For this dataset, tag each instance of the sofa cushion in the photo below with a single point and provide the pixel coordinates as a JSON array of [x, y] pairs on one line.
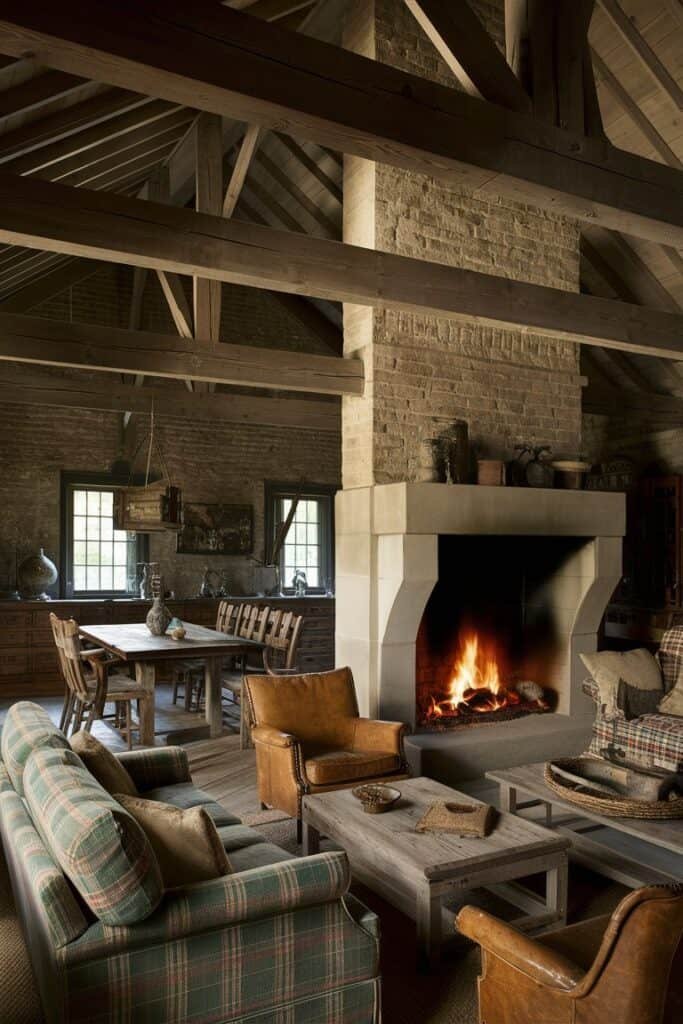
[[101, 763], [258, 856], [186, 843], [236, 837], [99, 845], [654, 742], [26, 727], [334, 766], [186, 794], [638, 668]]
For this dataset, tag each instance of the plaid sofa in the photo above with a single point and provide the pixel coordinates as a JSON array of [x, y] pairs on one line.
[[652, 741], [278, 941]]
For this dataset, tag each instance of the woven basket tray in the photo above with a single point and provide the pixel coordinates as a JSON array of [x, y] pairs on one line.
[[611, 806]]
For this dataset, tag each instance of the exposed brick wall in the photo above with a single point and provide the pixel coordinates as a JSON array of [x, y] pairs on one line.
[[425, 371], [211, 461]]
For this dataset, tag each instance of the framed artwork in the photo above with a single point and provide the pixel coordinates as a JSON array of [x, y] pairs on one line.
[[216, 530]]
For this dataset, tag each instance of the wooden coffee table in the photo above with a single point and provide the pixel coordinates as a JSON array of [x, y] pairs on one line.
[[633, 851], [415, 871]]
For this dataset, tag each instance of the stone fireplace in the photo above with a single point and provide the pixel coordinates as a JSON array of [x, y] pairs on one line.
[[530, 570], [512, 387]]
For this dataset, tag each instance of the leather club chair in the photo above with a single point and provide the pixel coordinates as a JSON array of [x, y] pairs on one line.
[[609, 970], [309, 738]]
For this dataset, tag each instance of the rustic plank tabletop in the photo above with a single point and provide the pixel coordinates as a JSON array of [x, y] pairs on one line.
[[132, 641]]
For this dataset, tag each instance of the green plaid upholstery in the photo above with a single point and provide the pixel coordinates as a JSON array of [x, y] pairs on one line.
[[99, 846], [273, 960], [56, 902], [26, 727], [353, 1004], [232, 899], [156, 766]]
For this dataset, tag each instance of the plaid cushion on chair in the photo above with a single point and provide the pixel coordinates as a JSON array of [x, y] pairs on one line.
[[670, 656], [26, 727], [99, 846], [653, 741]]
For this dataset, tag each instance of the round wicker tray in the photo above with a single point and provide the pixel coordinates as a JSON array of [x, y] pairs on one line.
[[611, 806]]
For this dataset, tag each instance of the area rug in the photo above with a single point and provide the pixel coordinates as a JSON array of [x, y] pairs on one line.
[[19, 1002]]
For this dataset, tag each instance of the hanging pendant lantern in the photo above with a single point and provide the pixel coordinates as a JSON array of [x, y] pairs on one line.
[[152, 508]]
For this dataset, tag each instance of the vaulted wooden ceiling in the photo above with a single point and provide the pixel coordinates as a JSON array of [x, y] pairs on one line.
[[59, 127]]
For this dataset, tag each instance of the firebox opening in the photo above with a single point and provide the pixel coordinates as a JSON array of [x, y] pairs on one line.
[[491, 638]]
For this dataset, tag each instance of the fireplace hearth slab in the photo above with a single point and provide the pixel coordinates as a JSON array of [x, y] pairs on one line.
[[468, 753]]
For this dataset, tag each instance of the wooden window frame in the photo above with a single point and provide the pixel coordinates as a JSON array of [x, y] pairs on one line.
[[276, 491], [70, 482]]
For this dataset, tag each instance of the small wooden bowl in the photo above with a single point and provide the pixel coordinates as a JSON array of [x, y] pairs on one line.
[[376, 799]]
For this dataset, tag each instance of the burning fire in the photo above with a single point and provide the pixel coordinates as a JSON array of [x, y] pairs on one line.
[[475, 685]]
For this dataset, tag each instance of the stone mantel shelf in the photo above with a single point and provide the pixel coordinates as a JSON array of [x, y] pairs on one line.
[[433, 508]]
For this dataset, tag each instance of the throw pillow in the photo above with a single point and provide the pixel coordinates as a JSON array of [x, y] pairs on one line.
[[101, 763], [634, 702], [186, 843], [672, 703], [638, 668], [97, 843]]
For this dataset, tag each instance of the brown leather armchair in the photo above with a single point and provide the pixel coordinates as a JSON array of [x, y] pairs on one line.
[[609, 970], [309, 738]]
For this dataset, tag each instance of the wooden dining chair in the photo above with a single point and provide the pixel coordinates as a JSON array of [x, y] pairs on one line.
[[88, 693], [189, 673], [280, 635]]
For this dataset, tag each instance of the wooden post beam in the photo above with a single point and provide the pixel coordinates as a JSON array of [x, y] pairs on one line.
[[80, 346], [99, 225], [202, 54], [34, 388], [469, 51]]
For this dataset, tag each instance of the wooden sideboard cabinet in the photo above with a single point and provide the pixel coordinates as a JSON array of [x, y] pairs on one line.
[[28, 660]]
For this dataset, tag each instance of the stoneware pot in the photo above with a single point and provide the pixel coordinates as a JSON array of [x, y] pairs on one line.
[[34, 574], [158, 617]]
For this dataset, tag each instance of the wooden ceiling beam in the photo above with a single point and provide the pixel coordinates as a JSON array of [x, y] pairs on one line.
[[641, 121], [274, 10], [114, 145], [37, 91], [208, 199], [53, 127], [33, 388], [100, 225], [457, 34], [240, 169], [49, 285], [300, 154], [86, 346], [645, 55], [318, 216], [231, 64]]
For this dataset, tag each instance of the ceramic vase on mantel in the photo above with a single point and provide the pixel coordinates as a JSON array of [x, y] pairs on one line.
[[158, 617]]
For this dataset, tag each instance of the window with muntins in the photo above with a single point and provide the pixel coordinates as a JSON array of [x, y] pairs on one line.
[[100, 560], [308, 546]]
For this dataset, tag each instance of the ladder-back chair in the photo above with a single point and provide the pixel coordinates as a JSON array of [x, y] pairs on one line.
[[87, 694]]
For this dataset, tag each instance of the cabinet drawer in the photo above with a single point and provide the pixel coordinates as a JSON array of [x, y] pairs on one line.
[[41, 638], [14, 636], [44, 662], [14, 661], [11, 619]]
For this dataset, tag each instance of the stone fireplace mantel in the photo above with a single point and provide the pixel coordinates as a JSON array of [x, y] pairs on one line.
[[387, 565]]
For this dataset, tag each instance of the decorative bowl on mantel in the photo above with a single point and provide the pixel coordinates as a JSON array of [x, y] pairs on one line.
[[376, 799]]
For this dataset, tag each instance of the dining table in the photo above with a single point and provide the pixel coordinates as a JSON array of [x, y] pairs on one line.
[[133, 643]]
